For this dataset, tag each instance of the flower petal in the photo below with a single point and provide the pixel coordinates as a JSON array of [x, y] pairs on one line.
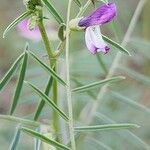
[[94, 40], [88, 41], [100, 16], [25, 32]]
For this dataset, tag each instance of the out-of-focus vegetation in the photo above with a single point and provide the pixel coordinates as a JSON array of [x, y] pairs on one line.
[[118, 104]]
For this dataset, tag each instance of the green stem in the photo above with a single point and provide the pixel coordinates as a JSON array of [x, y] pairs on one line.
[[52, 60], [55, 99], [45, 39], [68, 87]]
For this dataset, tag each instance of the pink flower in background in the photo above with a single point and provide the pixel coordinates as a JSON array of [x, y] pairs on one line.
[[34, 34], [93, 37]]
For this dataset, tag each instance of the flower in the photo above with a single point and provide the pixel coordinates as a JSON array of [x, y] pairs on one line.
[[34, 34], [24, 30], [93, 37]]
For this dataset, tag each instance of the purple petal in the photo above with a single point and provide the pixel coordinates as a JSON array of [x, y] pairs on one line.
[[100, 16], [25, 32], [94, 40]]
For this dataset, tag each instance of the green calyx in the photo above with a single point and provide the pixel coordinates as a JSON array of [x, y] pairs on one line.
[[73, 25], [32, 4], [35, 18]]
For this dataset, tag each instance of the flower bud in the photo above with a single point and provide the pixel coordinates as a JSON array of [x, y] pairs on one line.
[[33, 22], [31, 4]]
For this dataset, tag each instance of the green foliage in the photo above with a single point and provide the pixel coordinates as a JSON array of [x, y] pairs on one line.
[[42, 102], [10, 72], [19, 83], [96, 84], [118, 46], [48, 101], [121, 102], [48, 69], [106, 127], [16, 21], [44, 138], [53, 11], [18, 120]]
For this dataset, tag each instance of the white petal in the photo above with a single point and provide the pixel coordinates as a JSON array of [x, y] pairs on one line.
[[97, 39], [88, 40]]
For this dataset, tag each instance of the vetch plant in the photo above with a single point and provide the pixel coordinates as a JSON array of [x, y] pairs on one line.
[[31, 25]]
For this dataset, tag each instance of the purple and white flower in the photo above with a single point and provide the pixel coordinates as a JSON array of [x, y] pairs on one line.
[[93, 37]]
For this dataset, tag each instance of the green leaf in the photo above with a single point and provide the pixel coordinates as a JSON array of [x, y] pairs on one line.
[[99, 83], [48, 101], [10, 72], [20, 120], [53, 11], [130, 102], [90, 93], [44, 138], [126, 134], [42, 102], [61, 32], [78, 2], [19, 83], [16, 21], [15, 140], [106, 127], [48, 69], [118, 46]]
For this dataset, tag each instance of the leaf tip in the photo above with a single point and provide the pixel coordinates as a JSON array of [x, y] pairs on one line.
[[129, 53], [137, 126], [26, 82], [3, 35]]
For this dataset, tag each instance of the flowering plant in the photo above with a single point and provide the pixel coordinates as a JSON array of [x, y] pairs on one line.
[[34, 25]]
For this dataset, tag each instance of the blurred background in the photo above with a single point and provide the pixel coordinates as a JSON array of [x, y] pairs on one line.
[[117, 104]]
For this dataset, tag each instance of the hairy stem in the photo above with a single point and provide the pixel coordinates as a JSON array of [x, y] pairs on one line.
[[52, 61], [55, 99], [69, 100], [45, 39]]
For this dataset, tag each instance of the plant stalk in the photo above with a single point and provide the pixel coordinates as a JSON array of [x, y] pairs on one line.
[[45, 39], [52, 61], [68, 87]]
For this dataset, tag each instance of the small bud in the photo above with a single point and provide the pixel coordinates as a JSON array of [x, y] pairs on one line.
[[31, 4], [33, 22], [73, 24]]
